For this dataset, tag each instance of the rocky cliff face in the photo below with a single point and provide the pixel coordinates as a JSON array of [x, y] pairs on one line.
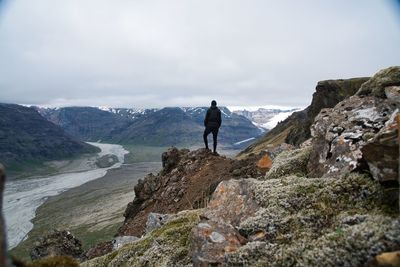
[[296, 128], [25, 137]]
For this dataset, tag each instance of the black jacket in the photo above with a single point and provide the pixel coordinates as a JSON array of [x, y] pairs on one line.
[[213, 117]]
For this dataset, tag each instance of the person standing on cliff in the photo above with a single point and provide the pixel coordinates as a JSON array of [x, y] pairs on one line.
[[212, 122]]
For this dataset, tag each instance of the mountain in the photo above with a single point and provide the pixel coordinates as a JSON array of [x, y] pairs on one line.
[[265, 118], [157, 127], [296, 128], [25, 137], [87, 123]]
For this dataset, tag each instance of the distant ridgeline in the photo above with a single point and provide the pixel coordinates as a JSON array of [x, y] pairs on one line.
[[154, 127], [27, 137]]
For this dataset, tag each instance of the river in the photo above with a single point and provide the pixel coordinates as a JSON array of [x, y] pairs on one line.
[[23, 197]]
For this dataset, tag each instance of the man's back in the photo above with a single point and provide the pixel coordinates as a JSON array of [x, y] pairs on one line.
[[213, 117]]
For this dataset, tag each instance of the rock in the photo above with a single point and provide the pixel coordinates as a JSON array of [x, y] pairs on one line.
[[53, 261], [57, 243], [171, 158], [98, 250], [388, 259], [211, 241], [296, 128], [306, 218], [166, 246], [382, 152], [107, 161], [265, 163], [231, 202], [3, 243], [393, 93], [119, 241], [339, 134], [292, 162], [380, 81], [156, 220]]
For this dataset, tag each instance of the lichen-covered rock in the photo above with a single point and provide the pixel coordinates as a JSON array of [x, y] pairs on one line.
[[97, 250], [297, 221], [382, 152], [57, 243], [216, 234], [211, 241], [292, 162], [165, 246], [377, 84], [340, 133]]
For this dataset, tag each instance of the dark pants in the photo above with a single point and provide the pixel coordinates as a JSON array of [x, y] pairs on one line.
[[214, 131]]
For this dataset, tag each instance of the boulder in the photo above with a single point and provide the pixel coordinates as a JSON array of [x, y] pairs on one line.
[[211, 241], [292, 162], [216, 234], [107, 161], [387, 259], [57, 243], [380, 81], [339, 134]]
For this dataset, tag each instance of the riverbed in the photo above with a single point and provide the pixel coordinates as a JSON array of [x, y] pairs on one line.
[[23, 197]]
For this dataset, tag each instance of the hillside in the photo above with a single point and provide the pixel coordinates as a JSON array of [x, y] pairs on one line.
[[26, 137], [296, 128]]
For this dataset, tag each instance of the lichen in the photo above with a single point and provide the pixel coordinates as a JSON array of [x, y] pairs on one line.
[[55, 261], [309, 220], [292, 162], [165, 246]]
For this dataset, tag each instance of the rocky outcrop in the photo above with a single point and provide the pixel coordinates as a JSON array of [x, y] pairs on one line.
[[340, 133], [57, 243], [383, 83], [250, 222], [296, 128], [186, 182], [107, 161], [165, 246]]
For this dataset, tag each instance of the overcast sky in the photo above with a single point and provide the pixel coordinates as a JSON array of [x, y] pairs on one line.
[[148, 53]]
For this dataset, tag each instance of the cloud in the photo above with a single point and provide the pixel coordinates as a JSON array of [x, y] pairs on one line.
[[148, 53]]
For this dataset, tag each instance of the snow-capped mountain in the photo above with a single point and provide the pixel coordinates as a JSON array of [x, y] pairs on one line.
[[264, 118]]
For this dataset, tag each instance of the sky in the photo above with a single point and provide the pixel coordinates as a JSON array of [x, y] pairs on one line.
[[157, 53]]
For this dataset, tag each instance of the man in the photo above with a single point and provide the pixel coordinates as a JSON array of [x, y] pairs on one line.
[[212, 122]]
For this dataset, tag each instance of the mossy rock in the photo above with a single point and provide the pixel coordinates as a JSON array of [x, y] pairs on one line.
[[339, 221], [165, 246], [376, 85], [292, 162]]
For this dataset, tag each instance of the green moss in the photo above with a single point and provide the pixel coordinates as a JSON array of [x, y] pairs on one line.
[[165, 246], [292, 162]]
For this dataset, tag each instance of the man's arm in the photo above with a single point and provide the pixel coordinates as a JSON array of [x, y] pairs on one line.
[[206, 118], [219, 118]]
